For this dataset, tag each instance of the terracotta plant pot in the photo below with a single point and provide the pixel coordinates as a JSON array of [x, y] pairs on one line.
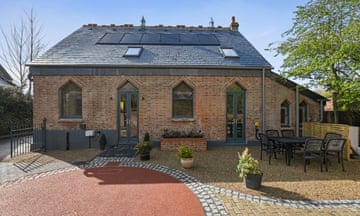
[[187, 163]]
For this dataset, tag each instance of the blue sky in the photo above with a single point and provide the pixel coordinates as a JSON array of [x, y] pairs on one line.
[[261, 21]]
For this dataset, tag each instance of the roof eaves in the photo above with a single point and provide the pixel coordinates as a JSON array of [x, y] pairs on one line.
[[148, 66]]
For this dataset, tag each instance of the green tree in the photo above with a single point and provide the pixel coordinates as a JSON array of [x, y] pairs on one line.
[[15, 108], [323, 49]]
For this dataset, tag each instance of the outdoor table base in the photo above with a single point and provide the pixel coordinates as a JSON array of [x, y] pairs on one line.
[[289, 143]]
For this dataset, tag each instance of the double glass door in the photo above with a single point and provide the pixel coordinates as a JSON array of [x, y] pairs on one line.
[[128, 115], [235, 115]]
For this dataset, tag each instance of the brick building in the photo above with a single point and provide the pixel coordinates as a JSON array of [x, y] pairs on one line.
[[127, 80]]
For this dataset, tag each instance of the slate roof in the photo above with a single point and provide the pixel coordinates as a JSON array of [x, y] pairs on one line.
[[93, 45]]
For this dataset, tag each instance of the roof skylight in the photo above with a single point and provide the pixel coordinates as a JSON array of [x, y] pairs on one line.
[[229, 52], [133, 51]]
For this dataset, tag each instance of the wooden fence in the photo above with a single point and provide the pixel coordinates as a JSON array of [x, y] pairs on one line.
[[316, 129]]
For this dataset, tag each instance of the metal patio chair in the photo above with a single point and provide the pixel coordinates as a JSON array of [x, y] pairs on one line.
[[334, 148], [287, 132], [291, 133], [275, 133], [312, 150], [330, 135], [267, 146]]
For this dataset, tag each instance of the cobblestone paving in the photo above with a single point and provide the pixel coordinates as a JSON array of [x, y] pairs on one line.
[[215, 201]]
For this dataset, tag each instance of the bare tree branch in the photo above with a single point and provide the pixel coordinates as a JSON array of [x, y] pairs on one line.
[[23, 43]]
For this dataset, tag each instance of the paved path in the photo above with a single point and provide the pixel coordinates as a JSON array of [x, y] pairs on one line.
[[214, 201], [4, 148], [110, 190]]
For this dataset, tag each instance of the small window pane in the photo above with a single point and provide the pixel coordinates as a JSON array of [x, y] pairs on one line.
[[183, 108], [285, 114], [229, 52], [182, 101], [133, 51], [71, 101]]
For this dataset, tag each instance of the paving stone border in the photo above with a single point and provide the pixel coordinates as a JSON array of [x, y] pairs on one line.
[[306, 204]]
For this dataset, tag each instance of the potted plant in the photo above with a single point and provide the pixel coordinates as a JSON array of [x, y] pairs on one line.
[[102, 141], [144, 148], [249, 169], [184, 152]]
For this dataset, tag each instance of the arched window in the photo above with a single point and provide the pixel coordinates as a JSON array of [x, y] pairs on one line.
[[71, 101], [183, 101], [285, 114]]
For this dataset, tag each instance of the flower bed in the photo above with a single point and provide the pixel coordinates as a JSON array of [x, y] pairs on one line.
[[172, 144], [172, 140]]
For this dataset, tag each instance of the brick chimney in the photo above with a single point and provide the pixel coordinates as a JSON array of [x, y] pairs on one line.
[[234, 26]]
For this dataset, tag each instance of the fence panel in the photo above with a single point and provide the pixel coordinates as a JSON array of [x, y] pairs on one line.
[[316, 129]]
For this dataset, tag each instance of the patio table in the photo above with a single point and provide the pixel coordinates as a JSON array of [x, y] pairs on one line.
[[289, 143]]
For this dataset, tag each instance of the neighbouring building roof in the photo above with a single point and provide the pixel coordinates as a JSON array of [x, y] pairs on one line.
[[94, 45], [5, 77], [302, 90]]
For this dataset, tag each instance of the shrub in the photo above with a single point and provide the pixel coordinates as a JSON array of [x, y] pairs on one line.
[[247, 164], [182, 134]]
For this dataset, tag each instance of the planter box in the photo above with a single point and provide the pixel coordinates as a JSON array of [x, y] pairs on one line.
[[171, 144]]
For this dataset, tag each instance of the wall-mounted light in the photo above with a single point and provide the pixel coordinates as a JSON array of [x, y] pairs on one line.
[[121, 106], [257, 126]]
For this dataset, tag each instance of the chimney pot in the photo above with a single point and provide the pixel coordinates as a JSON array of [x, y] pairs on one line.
[[234, 26]]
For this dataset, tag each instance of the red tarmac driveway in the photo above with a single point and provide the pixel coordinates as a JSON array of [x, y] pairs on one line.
[[109, 190]]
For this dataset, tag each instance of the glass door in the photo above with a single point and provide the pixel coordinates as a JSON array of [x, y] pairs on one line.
[[235, 115], [128, 115]]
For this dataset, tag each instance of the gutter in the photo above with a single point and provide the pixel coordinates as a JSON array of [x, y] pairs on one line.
[[297, 123], [145, 66]]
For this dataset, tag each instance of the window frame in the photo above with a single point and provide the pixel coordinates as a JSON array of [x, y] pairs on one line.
[[133, 53], [229, 52], [174, 116], [285, 106], [62, 102]]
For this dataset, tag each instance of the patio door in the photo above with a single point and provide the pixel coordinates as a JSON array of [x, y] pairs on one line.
[[128, 114], [235, 115]]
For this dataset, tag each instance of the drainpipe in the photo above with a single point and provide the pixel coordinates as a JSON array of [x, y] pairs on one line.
[[321, 110], [263, 101], [297, 110]]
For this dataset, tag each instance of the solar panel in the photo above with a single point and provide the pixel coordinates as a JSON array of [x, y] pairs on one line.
[[169, 38], [189, 39], [150, 39], [111, 38], [159, 39], [131, 38], [207, 39]]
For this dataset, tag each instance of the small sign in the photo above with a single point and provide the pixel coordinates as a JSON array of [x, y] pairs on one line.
[[89, 133]]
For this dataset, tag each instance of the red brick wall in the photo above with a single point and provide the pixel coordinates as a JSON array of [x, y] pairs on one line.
[[99, 94]]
